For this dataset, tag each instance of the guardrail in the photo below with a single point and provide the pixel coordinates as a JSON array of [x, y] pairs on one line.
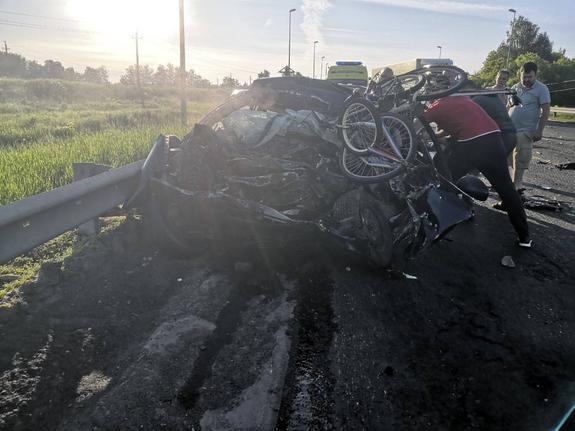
[[34, 220]]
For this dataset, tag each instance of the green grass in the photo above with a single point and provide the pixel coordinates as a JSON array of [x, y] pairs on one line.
[[563, 117], [45, 126], [24, 269], [38, 147]]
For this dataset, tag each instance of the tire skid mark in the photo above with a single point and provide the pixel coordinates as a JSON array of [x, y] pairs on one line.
[[308, 400]]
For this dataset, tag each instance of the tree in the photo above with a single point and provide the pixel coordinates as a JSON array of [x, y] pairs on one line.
[[13, 65], [99, 75], [529, 44], [162, 77], [195, 80], [228, 81], [53, 69], [130, 78], [264, 74], [526, 38], [70, 74]]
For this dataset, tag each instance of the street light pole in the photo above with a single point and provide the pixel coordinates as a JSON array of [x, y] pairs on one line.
[[314, 44], [510, 40], [439, 46], [289, 43], [183, 101], [321, 68]]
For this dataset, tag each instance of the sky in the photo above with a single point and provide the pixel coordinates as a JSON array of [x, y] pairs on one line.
[[243, 37]]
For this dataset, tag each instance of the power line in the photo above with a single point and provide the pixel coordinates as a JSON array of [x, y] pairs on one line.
[[33, 26], [38, 16]]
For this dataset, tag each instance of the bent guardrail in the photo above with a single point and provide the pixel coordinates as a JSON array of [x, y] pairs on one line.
[[34, 220]]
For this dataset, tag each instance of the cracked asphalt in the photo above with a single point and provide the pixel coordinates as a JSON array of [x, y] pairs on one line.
[[124, 337]]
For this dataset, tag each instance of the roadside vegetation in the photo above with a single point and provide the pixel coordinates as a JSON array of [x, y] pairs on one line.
[[42, 134], [46, 125]]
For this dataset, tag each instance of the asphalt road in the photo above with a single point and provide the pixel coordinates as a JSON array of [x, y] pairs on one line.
[[124, 337]]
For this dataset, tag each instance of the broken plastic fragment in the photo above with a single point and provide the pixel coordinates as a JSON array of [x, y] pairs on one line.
[[508, 262]]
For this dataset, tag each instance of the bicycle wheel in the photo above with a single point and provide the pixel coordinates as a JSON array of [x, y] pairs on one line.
[[385, 159], [405, 84], [440, 81], [359, 125]]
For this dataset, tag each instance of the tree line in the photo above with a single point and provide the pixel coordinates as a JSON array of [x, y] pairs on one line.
[[528, 43], [13, 65]]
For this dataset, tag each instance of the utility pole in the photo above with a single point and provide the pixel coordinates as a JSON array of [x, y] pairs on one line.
[[510, 38], [5, 48], [321, 67], [314, 44], [138, 82], [183, 106]]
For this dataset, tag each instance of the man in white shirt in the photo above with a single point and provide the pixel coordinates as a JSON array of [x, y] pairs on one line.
[[530, 118]]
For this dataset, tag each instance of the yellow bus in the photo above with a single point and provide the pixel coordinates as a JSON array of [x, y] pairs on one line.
[[348, 72]]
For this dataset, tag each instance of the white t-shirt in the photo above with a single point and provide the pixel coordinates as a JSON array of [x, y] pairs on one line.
[[526, 116]]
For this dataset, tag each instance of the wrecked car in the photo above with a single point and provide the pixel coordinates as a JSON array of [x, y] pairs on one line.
[[269, 166]]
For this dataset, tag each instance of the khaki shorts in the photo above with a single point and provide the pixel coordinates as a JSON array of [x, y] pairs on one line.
[[523, 152]]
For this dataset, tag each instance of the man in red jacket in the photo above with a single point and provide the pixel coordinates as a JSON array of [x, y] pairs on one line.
[[479, 146]]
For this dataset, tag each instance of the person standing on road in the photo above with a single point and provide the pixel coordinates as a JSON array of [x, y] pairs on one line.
[[530, 118], [479, 146], [495, 107], [501, 84]]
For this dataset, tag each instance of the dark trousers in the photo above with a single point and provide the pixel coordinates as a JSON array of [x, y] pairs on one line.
[[488, 154], [509, 142]]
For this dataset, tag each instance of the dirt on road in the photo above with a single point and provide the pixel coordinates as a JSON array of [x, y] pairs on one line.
[[123, 336]]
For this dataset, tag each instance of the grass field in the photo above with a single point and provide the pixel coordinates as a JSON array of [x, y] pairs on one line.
[[45, 126], [40, 137]]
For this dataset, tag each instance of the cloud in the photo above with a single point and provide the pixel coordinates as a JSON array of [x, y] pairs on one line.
[[313, 11], [444, 6], [268, 22], [342, 30]]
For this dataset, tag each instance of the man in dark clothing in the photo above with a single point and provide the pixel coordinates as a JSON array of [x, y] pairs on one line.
[[496, 109], [479, 146]]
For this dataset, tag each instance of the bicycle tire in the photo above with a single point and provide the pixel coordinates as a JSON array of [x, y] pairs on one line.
[[409, 83], [435, 77], [372, 167], [359, 126]]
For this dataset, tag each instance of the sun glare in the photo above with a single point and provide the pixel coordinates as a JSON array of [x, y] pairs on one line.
[[151, 17]]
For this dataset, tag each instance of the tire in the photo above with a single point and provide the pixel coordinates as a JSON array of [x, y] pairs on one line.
[[359, 125], [371, 167], [163, 234], [402, 85], [440, 81], [378, 232]]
